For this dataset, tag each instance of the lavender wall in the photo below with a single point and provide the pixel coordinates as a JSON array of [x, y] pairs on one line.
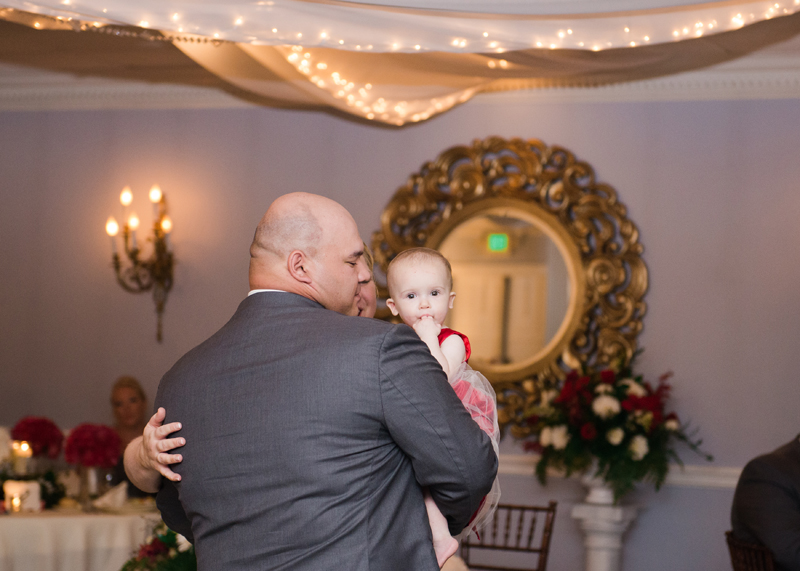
[[713, 187]]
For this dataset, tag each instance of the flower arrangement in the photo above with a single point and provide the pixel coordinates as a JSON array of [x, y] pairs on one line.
[[163, 550], [92, 445], [44, 437], [611, 419]]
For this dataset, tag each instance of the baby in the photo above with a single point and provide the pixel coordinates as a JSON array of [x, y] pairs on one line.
[[420, 283]]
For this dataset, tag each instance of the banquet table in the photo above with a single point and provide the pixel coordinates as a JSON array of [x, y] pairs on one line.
[[71, 541]]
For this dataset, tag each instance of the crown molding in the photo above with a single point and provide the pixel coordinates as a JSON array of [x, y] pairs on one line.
[[26, 89], [688, 476]]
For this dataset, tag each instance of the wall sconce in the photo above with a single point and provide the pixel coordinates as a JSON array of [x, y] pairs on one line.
[[154, 273]]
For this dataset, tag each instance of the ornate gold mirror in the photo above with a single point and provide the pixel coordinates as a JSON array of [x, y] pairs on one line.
[[547, 267]]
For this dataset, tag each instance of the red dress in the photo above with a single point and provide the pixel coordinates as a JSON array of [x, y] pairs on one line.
[[477, 395]]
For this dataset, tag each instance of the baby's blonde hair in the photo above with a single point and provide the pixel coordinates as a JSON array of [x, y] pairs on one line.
[[415, 255]]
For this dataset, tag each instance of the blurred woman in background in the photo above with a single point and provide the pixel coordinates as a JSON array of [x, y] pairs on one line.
[[129, 405]]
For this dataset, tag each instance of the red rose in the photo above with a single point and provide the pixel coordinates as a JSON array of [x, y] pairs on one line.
[[41, 433], [588, 431], [92, 445], [608, 376], [153, 549]]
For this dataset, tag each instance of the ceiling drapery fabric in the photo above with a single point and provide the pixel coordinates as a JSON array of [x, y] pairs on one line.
[[409, 60]]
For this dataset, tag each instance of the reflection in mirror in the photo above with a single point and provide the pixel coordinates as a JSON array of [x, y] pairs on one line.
[[511, 283]]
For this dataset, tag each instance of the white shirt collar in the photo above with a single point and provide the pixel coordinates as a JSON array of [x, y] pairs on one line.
[[252, 291]]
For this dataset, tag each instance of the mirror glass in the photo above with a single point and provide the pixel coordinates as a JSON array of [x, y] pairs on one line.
[[512, 286]]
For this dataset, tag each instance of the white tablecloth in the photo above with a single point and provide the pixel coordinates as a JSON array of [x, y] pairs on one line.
[[71, 541]]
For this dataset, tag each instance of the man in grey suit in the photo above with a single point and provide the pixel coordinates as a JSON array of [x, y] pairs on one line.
[[766, 505], [309, 434]]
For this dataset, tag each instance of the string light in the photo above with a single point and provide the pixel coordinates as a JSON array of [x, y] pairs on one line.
[[565, 37], [359, 97]]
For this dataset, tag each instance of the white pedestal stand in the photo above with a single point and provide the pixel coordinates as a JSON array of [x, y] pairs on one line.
[[603, 525]]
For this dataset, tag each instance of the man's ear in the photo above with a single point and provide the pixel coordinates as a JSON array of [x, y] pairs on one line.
[[392, 307], [452, 299], [298, 266]]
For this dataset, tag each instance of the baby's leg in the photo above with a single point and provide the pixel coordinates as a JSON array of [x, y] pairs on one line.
[[444, 544]]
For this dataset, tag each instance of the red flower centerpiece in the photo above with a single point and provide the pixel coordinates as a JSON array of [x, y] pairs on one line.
[[610, 422], [44, 437], [92, 446]]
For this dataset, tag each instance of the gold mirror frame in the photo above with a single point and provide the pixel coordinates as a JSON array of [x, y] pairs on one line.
[[550, 188]]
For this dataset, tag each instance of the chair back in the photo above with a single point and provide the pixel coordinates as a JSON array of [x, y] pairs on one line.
[[748, 556], [518, 539]]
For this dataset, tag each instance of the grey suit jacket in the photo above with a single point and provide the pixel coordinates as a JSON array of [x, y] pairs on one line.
[[766, 504], [309, 438]]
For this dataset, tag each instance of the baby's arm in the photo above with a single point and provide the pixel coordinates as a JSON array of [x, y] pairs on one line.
[[451, 352]]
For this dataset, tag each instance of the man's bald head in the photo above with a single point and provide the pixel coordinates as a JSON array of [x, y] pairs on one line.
[[289, 224], [305, 244]]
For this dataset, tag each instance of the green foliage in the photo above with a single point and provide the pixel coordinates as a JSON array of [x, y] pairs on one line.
[[163, 550]]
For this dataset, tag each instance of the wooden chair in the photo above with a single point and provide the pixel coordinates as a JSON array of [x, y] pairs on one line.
[[748, 556], [520, 533]]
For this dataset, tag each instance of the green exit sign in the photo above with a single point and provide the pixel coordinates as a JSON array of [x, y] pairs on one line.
[[498, 242]]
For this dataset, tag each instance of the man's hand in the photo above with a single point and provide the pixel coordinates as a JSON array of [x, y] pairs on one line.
[[428, 330]]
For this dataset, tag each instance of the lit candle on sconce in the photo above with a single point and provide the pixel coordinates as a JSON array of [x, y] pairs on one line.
[[166, 227], [155, 198], [126, 196], [112, 229], [16, 504], [133, 224], [152, 274]]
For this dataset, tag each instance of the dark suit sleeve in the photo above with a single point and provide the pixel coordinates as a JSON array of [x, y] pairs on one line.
[[766, 506], [172, 511], [449, 453]]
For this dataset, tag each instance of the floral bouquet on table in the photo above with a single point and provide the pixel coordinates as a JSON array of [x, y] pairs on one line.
[[92, 446], [163, 550], [44, 437], [612, 421], [45, 440]]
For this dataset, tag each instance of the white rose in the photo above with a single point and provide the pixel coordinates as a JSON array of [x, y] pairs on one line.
[[546, 436], [560, 436], [672, 424], [639, 447], [547, 397], [605, 406], [603, 388], [634, 388], [183, 543], [615, 436]]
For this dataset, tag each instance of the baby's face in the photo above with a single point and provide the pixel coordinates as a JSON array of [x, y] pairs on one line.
[[420, 289]]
